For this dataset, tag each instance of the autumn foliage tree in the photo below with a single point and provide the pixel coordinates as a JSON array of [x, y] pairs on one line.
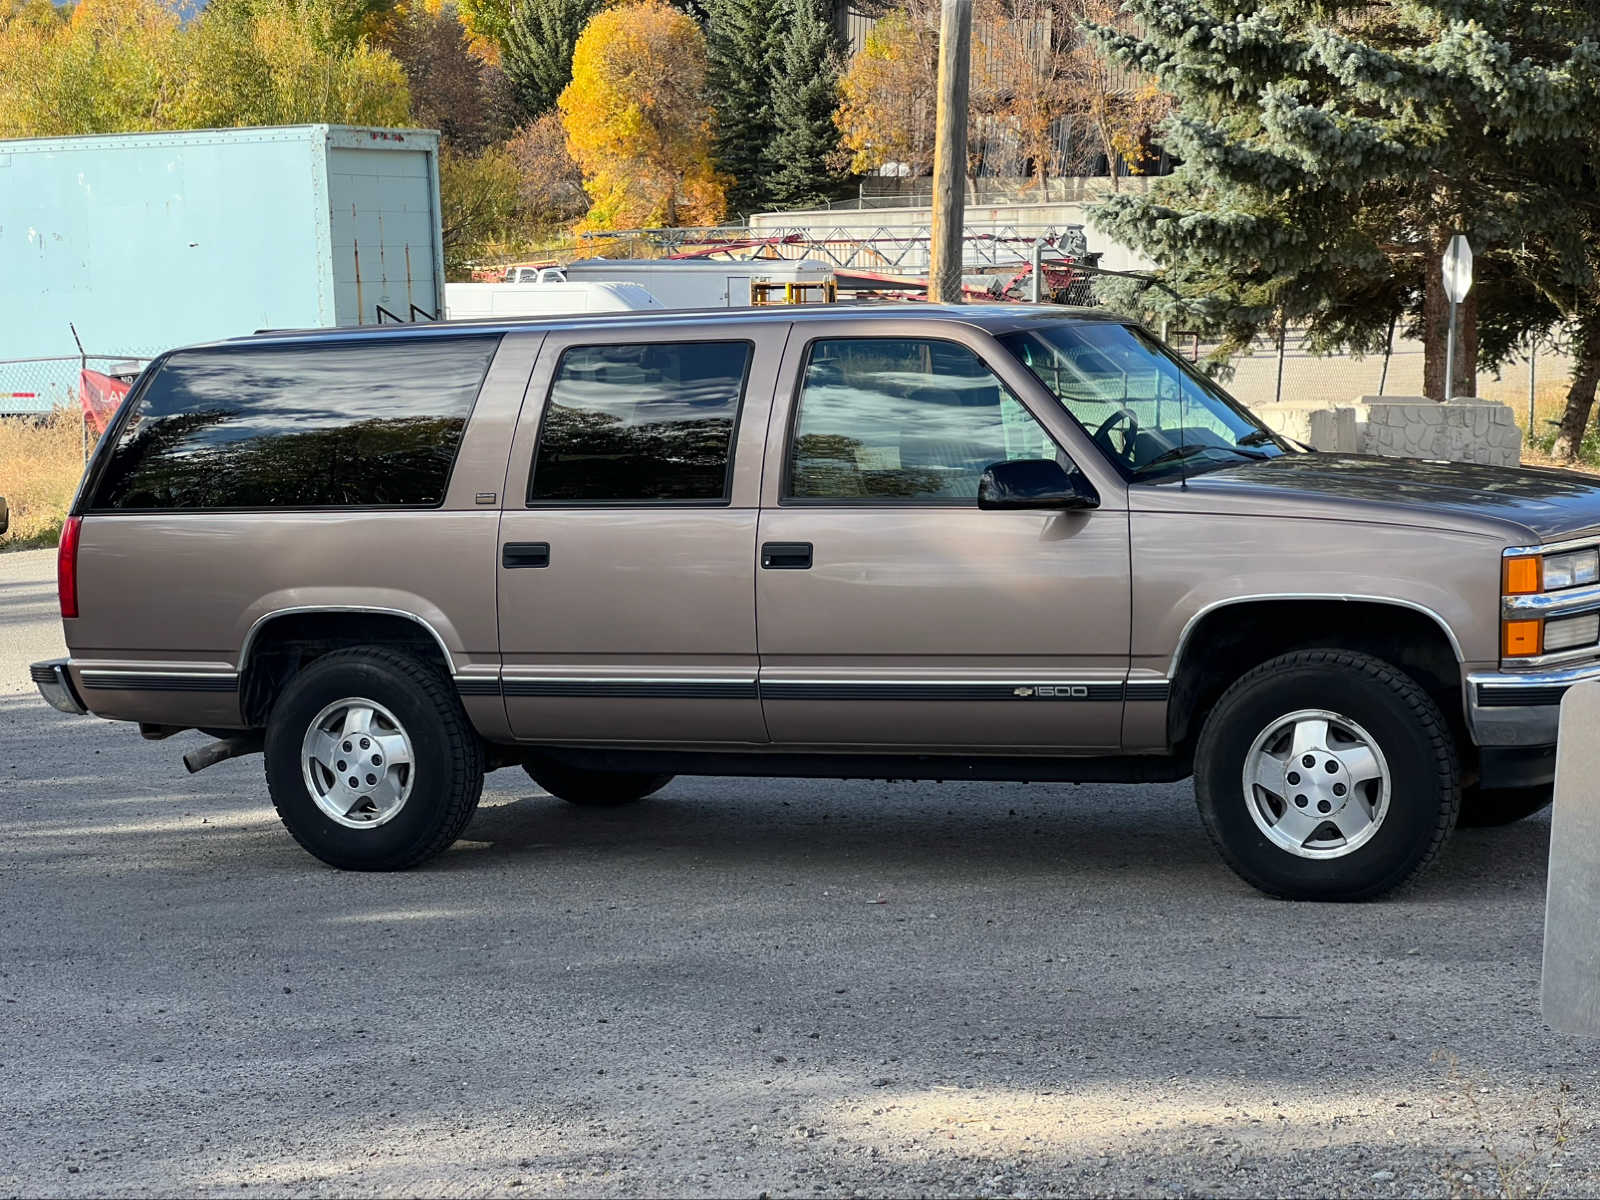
[[112, 66], [453, 90], [485, 22], [286, 62], [886, 104], [1033, 72], [1121, 106], [550, 183], [637, 120], [120, 65]]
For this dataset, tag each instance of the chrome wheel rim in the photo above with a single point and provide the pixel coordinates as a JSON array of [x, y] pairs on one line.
[[1316, 784], [358, 763]]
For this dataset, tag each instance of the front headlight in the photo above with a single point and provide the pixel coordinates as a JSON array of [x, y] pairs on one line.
[[1568, 633], [1571, 570], [1541, 610]]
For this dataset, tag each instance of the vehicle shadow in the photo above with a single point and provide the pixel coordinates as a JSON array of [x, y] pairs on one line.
[[1054, 831], [77, 777]]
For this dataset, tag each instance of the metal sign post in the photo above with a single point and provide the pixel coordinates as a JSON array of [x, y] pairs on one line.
[[1457, 268]]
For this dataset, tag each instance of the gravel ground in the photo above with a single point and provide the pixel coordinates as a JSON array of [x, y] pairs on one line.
[[741, 987]]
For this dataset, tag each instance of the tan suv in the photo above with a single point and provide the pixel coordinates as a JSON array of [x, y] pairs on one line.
[[996, 543]]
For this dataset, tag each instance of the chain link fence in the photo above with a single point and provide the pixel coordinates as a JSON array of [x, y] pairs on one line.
[[84, 387], [42, 385], [51, 413]]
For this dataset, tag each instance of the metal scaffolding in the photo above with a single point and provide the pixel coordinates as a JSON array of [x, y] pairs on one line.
[[888, 249]]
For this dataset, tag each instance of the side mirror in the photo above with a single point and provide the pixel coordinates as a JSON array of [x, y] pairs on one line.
[[1034, 483]]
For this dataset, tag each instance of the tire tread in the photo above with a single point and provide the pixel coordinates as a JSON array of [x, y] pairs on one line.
[[465, 766], [1430, 722]]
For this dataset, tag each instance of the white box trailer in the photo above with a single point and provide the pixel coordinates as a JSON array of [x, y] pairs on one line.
[[467, 300], [702, 282], [146, 241]]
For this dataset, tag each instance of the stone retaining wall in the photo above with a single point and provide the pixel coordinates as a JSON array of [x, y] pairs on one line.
[[1463, 430]]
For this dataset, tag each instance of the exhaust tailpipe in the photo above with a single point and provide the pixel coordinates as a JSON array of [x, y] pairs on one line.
[[230, 747]]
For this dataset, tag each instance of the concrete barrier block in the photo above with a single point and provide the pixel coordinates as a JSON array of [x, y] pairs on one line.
[[1570, 996], [1324, 431], [1465, 430]]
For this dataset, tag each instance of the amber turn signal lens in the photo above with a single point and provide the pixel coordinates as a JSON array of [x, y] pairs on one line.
[[1521, 638], [1522, 576]]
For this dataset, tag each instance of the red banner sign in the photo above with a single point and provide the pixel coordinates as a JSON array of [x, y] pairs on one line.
[[100, 396]]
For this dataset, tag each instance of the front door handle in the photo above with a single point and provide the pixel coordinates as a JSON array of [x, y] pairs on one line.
[[786, 556], [525, 554]]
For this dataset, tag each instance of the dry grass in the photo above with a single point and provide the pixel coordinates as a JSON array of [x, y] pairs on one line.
[[40, 463], [1549, 402]]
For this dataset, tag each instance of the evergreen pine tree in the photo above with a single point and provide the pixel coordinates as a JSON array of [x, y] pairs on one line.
[[800, 162], [1329, 149], [536, 49], [743, 46]]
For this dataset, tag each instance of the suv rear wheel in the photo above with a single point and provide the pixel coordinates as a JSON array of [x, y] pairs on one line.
[[371, 762], [594, 789], [1327, 775]]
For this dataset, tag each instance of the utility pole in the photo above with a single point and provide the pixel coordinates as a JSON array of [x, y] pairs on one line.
[[950, 152]]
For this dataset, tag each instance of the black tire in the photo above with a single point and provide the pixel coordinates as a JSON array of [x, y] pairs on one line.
[[594, 789], [446, 773], [1503, 806], [1407, 728]]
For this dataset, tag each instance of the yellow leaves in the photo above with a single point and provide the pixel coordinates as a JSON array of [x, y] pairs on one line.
[[128, 64], [40, 14], [885, 112], [485, 22], [109, 68], [637, 122]]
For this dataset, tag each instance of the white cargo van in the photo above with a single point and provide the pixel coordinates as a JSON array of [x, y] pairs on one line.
[[462, 300], [702, 282]]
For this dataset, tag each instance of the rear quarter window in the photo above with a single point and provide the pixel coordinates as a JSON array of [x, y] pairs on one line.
[[327, 425], [641, 423]]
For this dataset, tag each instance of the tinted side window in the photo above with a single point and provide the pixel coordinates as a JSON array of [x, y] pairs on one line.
[[298, 426], [904, 419], [640, 423]]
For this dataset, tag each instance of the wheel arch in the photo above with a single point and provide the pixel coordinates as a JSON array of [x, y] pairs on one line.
[[281, 642], [1229, 637]]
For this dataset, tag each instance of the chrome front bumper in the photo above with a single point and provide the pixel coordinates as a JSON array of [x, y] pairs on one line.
[[1520, 708], [55, 685]]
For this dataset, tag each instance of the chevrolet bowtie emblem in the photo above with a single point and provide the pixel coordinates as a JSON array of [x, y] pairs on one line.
[[1022, 691]]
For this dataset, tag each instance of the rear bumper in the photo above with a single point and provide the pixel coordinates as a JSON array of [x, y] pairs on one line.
[[1521, 708], [55, 685]]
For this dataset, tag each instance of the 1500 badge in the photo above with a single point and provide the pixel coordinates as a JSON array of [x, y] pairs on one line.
[[1054, 691]]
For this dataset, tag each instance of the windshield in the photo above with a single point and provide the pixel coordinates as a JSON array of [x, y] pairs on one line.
[[1151, 413]]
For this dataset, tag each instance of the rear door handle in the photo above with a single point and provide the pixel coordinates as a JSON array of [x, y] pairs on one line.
[[525, 554], [786, 556]]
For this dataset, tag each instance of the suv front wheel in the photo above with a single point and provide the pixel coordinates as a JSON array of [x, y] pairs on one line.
[[1327, 775], [371, 762]]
